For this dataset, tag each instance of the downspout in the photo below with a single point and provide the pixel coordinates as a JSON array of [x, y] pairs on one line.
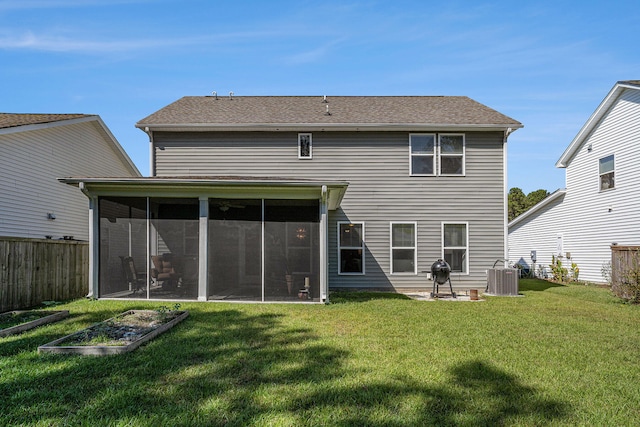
[[152, 157], [505, 220], [324, 243], [93, 241]]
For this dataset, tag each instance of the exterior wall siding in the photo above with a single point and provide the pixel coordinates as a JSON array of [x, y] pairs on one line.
[[590, 219], [376, 165], [30, 164], [538, 233]]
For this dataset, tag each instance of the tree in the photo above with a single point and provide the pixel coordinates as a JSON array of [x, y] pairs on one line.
[[519, 203], [536, 197]]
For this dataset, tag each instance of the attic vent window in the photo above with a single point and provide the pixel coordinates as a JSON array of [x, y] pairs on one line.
[[304, 146]]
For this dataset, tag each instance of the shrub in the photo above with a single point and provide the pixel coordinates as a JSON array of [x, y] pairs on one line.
[[558, 272]]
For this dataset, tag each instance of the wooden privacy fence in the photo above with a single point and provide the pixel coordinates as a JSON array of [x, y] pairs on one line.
[[34, 270], [625, 271]]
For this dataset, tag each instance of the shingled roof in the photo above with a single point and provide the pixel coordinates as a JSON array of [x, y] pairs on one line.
[[9, 120], [210, 112]]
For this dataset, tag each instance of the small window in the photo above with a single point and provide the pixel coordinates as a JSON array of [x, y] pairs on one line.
[[304, 146], [422, 147], [350, 248], [455, 247], [451, 154], [607, 173], [403, 248]]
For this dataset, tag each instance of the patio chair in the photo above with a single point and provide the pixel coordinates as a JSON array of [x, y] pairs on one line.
[[164, 271], [134, 280]]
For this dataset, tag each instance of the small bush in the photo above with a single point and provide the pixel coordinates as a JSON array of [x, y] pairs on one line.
[[558, 272]]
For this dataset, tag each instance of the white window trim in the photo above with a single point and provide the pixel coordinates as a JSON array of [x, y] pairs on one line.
[[433, 154], [441, 155], [466, 261], [340, 273], [300, 156], [600, 189], [414, 247]]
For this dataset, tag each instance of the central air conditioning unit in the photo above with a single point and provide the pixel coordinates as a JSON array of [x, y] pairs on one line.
[[502, 281]]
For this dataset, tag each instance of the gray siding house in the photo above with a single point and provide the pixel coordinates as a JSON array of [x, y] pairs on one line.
[[277, 198]]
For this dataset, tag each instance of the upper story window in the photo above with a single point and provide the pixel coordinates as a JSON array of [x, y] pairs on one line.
[[447, 152], [350, 248], [304, 146], [607, 173], [451, 154], [423, 153]]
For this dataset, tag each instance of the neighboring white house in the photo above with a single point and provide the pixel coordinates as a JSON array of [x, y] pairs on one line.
[[601, 203], [36, 150]]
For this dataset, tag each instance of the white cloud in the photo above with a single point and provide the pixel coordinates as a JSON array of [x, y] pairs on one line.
[[78, 44]]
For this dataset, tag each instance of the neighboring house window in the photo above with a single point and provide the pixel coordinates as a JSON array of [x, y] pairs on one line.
[[304, 146], [455, 246], [403, 247], [451, 154], [607, 173], [423, 148], [350, 248]]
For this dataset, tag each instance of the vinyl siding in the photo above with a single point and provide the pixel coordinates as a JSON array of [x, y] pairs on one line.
[[538, 233], [587, 224], [376, 165], [590, 227], [30, 163]]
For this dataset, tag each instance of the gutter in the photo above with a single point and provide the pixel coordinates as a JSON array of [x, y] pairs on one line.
[[278, 127]]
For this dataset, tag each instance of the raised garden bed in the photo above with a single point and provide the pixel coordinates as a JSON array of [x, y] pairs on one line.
[[15, 322], [120, 334]]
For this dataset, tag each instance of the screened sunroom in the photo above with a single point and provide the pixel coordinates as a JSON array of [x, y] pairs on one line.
[[209, 239]]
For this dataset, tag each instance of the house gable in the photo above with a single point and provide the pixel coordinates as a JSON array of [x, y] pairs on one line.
[[595, 119]]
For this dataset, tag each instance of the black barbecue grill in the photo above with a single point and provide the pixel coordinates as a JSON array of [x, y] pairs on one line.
[[440, 273]]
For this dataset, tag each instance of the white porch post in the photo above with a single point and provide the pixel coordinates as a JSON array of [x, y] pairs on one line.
[[94, 247], [203, 251], [324, 243]]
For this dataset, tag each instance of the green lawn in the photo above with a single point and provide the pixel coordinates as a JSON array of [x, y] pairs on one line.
[[560, 355]]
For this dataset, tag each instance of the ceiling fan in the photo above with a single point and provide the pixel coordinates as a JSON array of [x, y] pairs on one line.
[[224, 205]]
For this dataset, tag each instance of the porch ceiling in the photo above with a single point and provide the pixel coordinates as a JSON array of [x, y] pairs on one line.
[[214, 187]]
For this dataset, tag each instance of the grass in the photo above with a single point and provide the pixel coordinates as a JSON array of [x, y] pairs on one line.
[[8, 320], [562, 355]]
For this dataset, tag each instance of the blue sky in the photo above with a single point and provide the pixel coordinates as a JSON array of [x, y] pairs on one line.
[[547, 64]]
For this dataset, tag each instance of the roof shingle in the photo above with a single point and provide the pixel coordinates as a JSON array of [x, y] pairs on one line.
[[342, 110], [9, 120]]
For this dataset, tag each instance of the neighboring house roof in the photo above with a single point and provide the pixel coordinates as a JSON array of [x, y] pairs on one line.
[[594, 120], [538, 207], [333, 112], [23, 122], [9, 120]]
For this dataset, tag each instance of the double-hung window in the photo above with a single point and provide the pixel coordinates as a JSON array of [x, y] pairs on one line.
[[305, 146], [350, 248], [403, 247], [455, 247], [442, 155], [607, 173], [451, 147], [423, 153]]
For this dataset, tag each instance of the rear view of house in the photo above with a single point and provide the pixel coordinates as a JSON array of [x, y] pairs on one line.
[[281, 198]]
